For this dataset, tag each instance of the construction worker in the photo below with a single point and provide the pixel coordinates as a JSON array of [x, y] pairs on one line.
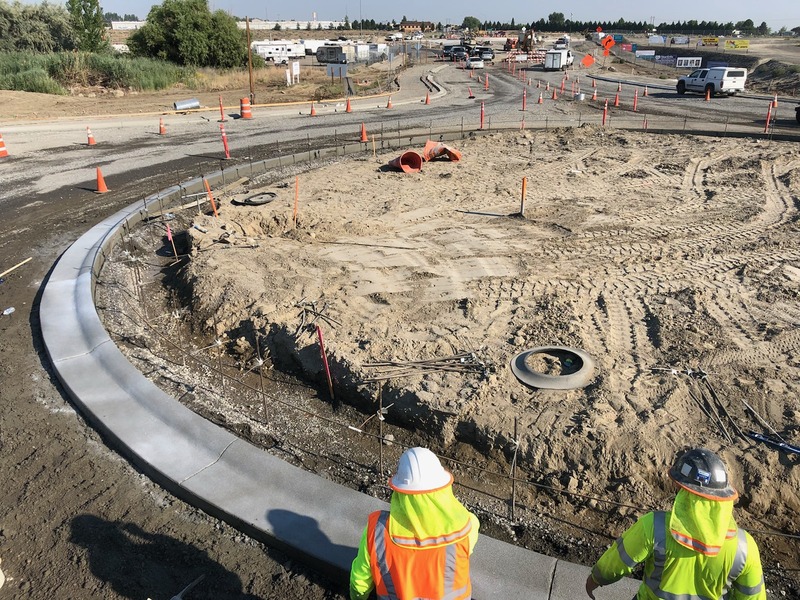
[[421, 547], [693, 552]]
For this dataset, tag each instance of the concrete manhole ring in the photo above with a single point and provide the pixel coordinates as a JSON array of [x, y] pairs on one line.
[[570, 368], [258, 199]]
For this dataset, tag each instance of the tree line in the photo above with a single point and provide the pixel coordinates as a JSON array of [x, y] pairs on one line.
[[187, 32]]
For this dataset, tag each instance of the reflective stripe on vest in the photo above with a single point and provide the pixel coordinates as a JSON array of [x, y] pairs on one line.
[[699, 546], [381, 536], [434, 541], [381, 529], [660, 559]]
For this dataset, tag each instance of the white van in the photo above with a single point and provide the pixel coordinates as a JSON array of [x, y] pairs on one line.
[[714, 80]]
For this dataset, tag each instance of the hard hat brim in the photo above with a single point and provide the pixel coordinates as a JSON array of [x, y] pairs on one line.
[[443, 482], [726, 494]]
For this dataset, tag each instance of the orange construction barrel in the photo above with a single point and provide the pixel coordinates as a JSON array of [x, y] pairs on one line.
[[244, 108]]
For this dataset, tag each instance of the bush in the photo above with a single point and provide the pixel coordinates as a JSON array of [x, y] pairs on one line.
[[329, 90], [32, 80], [52, 73]]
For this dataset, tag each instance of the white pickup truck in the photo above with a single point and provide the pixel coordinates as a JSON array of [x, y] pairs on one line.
[[714, 80]]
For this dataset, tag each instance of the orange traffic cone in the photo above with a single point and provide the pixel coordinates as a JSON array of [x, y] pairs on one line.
[[347, 107], [90, 137], [708, 95], [470, 95], [3, 151], [162, 129], [538, 84], [594, 83], [313, 110], [547, 87], [619, 86], [616, 99], [594, 94], [555, 96], [389, 103], [101, 183], [645, 90], [427, 98], [470, 73], [541, 100], [364, 137], [775, 101]]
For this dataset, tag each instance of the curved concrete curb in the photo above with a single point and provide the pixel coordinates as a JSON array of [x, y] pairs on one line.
[[308, 517]]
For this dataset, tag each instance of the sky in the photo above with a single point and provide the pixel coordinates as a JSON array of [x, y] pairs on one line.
[[777, 13]]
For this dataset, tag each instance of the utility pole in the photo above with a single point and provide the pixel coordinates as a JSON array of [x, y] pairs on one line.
[[250, 62]]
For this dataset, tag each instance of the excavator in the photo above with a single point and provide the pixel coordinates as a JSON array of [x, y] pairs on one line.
[[525, 42]]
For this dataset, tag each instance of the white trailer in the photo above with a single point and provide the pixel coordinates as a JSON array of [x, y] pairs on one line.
[[558, 60], [278, 51], [311, 46]]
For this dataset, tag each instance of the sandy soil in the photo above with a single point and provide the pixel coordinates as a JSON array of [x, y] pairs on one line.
[[658, 256]]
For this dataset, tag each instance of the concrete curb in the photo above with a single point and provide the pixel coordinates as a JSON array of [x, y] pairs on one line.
[[310, 518]]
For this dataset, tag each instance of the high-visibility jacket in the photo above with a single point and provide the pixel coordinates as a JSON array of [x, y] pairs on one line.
[[419, 550], [674, 571]]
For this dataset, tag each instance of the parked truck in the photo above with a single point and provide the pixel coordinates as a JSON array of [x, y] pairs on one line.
[[714, 80], [558, 60]]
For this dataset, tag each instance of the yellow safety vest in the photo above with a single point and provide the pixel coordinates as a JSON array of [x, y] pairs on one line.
[[674, 572]]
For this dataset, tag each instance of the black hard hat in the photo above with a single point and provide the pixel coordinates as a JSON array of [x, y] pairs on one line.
[[702, 472]]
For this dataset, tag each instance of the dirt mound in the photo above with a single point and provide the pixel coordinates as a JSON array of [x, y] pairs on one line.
[[776, 77], [655, 266]]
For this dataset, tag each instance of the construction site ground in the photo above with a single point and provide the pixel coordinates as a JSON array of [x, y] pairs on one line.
[[670, 263], [651, 253]]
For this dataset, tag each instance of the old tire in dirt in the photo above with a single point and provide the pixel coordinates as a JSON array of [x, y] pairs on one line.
[[576, 368]]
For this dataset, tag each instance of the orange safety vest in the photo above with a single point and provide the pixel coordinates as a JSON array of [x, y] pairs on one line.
[[410, 568]]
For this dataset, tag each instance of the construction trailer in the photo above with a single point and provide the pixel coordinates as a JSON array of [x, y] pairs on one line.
[[335, 53], [558, 60]]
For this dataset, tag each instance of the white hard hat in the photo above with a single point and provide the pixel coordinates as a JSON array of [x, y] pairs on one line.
[[419, 471]]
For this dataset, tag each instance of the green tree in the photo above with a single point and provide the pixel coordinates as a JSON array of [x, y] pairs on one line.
[[86, 17], [556, 20], [187, 33], [227, 46], [471, 23], [764, 29], [37, 27], [747, 27]]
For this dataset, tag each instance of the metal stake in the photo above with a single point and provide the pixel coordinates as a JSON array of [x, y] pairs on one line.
[[514, 471], [380, 431]]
